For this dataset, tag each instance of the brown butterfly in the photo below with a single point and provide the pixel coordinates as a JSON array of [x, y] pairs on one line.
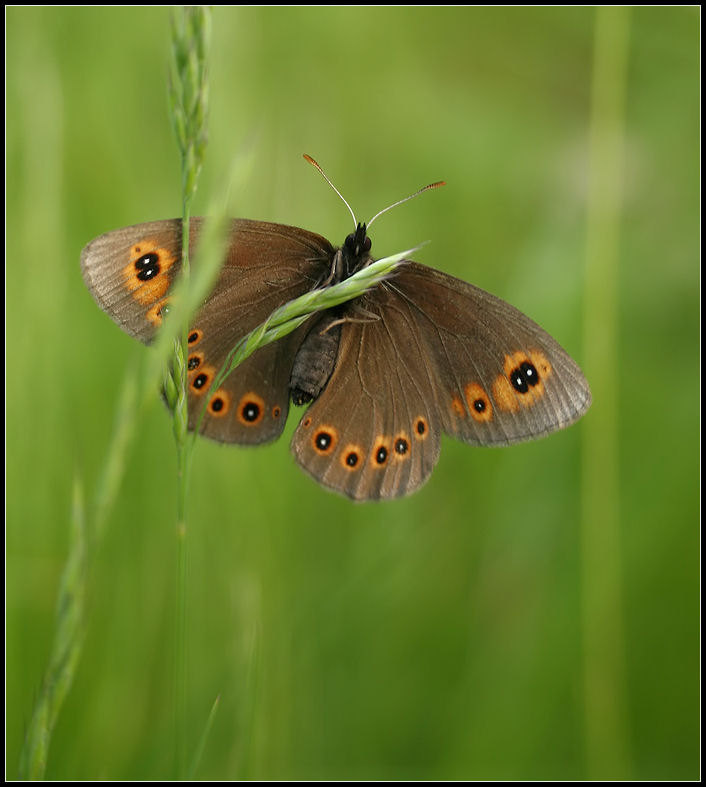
[[386, 374]]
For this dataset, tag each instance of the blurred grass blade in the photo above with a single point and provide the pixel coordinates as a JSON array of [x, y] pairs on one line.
[[607, 748], [204, 737], [126, 418], [66, 648], [253, 692], [70, 622]]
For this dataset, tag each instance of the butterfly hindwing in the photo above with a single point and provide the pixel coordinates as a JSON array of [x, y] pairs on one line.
[[373, 433]]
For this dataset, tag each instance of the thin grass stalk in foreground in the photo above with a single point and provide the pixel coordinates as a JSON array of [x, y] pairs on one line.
[[188, 94], [606, 735], [86, 534], [66, 648], [191, 775]]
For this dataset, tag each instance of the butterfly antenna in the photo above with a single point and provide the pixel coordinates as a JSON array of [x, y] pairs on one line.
[[406, 199], [316, 164]]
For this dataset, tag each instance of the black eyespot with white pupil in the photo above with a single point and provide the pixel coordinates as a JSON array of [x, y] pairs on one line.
[[479, 405], [200, 380], [352, 459], [530, 372], [323, 441], [250, 411], [381, 455], [401, 446], [147, 266], [524, 376]]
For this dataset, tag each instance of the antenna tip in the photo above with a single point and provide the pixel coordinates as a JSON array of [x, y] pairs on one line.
[[310, 159], [437, 185]]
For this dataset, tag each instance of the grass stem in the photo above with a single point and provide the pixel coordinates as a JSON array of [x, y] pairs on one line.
[[607, 750], [188, 94]]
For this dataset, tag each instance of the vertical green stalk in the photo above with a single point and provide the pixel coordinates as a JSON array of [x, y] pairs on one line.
[[66, 648], [188, 98], [606, 734], [86, 534]]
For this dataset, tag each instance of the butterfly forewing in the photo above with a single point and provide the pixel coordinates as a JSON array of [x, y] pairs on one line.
[[131, 272], [498, 377]]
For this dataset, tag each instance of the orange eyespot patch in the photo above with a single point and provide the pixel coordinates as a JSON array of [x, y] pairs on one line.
[[219, 404], [401, 447], [194, 337], [157, 312], [351, 457], [251, 409], [478, 402], [194, 362], [523, 382], [381, 451], [324, 440], [421, 428], [201, 380], [145, 275]]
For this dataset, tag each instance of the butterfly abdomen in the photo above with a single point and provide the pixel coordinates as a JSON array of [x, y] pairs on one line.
[[315, 360]]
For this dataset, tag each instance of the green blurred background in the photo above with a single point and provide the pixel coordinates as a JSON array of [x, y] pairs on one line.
[[456, 634]]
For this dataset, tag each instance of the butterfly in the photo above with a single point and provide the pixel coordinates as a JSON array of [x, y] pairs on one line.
[[384, 375]]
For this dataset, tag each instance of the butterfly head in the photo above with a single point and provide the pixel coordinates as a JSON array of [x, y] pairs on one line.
[[353, 255]]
